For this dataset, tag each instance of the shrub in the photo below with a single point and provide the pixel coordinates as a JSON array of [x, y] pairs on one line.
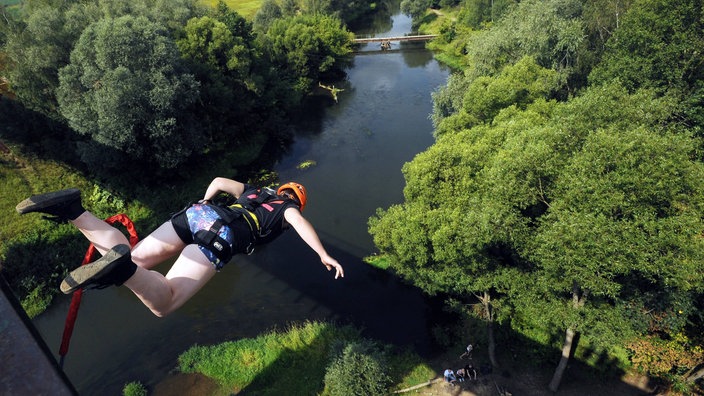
[[134, 389], [358, 370]]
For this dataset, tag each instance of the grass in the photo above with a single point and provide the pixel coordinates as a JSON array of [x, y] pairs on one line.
[[378, 261], [246, 8], [292, 361], [55, 249]]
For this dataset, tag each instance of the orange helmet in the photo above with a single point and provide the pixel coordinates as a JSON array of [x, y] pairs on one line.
[[298, 190]]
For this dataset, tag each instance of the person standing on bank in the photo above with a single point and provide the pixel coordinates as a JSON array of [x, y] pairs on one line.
[[204, 236]]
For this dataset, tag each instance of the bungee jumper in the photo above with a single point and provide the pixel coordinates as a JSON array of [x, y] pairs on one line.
[[204, 235]]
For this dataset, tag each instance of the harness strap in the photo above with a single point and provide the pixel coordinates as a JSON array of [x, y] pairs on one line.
[[211, 240], [249, 216], [227, 215]]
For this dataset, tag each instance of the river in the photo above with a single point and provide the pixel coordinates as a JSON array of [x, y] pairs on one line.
[[359, 145]]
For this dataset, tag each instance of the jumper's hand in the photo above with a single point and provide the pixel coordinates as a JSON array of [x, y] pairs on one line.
[[331, 263]]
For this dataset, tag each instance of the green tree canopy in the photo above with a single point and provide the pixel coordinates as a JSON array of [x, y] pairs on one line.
[[658, 45], [38, 46], [40, 41], [126, 90], [306, 47], [475, 13], [582, 216], [483, 97], [551, 32]]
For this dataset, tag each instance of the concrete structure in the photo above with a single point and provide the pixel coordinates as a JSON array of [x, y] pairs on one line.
[[27, 366]]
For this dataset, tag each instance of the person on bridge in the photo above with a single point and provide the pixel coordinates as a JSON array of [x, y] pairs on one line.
[[205, 236]]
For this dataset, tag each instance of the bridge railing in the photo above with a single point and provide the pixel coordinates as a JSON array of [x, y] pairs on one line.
[[407, 37]]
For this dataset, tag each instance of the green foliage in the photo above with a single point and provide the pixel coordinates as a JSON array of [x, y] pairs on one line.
[[657, 45], [299, 359], [358, 370], [519, 84], [35, 277], [466, 102], [476, 13], [126, 89], [548, 31], [37, 48], [209, 42], [134, 389], [273, 363], [592, 197], [378, 261], [39, 41], [305, 48], [415, 8], [37, 301], [266, 15]]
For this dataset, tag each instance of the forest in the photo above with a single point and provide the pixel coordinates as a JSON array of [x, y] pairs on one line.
[[563, 198], [563, 195]]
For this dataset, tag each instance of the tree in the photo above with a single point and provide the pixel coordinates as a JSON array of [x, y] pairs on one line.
[[40, 40], [359, 369], [415, 8], [306, 47], [657, 45], [475, 13], [619, 234], [38, 46], [550, 32], [576, 218], [126, 90], [211, 43], [266, 15]]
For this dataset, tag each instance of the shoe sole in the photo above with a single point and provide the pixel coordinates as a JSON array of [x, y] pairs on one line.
[[88, 274], [42, 201]]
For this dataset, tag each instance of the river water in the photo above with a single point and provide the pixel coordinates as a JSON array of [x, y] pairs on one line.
[[359, 145]]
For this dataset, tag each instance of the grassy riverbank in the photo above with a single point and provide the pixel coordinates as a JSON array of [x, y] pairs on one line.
[[300, 360]]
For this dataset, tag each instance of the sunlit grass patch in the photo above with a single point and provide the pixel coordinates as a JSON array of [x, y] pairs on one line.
[[274, 357], [291, 361], [246, 8], [378, 261]]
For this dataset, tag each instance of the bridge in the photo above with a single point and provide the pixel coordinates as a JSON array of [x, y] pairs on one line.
[[418, 37]]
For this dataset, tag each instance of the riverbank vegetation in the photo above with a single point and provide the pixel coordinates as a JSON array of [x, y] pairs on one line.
[[563, 196], [304, 359]]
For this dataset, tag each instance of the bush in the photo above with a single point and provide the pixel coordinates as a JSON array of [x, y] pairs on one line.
[[358, 370], [134, 389]]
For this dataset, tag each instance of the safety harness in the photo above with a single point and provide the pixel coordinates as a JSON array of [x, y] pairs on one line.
[[244, 208]]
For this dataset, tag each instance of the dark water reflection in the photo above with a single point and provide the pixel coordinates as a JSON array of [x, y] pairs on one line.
[[359, 145]]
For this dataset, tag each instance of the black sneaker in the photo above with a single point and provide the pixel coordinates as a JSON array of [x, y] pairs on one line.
[[100, 273], [63, 205]]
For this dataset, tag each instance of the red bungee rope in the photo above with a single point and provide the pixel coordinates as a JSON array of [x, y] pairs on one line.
[[76, 299]]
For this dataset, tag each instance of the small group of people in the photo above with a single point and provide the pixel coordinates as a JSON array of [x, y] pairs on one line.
[[466, 373]]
